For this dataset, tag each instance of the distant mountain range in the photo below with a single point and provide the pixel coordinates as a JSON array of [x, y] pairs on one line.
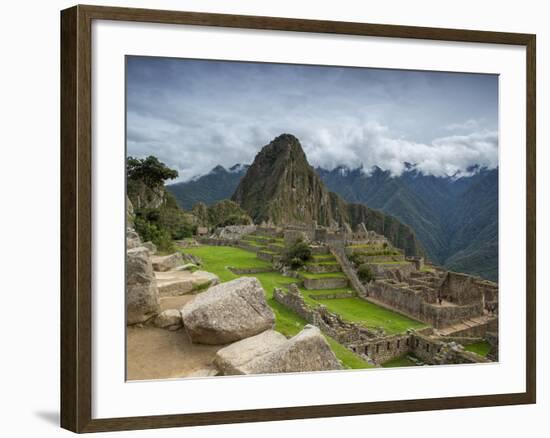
[[455, 219]]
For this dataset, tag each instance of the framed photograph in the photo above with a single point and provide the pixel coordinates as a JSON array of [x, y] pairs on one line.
[[270, 218]]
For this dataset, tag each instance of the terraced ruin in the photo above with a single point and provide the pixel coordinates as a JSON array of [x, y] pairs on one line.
[[410, 314], [293, 279]]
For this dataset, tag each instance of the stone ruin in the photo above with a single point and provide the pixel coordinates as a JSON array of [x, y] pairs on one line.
[[457, 306]]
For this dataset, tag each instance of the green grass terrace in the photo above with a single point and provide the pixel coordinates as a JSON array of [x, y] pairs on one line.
[[217, 259]]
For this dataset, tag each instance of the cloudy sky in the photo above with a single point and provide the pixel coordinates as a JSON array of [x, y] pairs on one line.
[[194, 115]]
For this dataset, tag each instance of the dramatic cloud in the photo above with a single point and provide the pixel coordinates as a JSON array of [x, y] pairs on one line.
[[194, 115]]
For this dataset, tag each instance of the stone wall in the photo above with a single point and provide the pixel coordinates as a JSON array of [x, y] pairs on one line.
[[330, 323], [248, 271], [383, 349], [460, 289], [325, 283], [334, 296], [323, 268], [415, 303], [417, 261], [436, 352], [399, 271]]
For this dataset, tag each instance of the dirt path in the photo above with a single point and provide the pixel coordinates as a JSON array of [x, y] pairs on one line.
[[153, 353]]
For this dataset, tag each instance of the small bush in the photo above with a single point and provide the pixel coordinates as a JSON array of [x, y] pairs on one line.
[[151, 232], [355, 258], [365, 273], [297, 255]]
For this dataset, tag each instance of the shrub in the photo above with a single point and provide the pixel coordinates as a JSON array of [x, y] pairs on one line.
[[365, 273], [355, 258], [297, 254], [151, 232]]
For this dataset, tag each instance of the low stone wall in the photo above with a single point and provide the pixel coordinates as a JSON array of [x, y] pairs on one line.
[[269, 231], [325, 283], [247, 246], [435, 352], [330, 323], [275, 248], [267, 256], [247, 271], [334, 296], [393, 271], [323, 268], [383, 349], [412, 302], [319, 250], [215, 242]]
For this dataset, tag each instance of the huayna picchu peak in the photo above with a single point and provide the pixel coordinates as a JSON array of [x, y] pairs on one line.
[[282, 188]]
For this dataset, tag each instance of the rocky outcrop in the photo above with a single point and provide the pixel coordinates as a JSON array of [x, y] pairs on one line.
[[228, 312], [142, 299], [166, 263], [270, 352]]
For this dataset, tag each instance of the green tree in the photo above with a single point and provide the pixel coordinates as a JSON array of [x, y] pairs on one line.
[[297, 255], [365, 274], [149, 170]]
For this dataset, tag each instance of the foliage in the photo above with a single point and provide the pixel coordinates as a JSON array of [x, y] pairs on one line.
[[226, 213], [365, 274], [149, 170], [158, 217], [149, 231], [200, 211], [355, 258], [297, 255]]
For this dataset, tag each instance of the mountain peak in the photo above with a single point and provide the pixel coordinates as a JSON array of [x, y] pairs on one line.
[[281, 187], [219, 168], [285, 146]]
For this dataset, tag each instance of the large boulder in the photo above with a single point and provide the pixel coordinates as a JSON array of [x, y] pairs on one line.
[[234, 358], [166, 263], [228, 312], [271, 352], [142, 299]]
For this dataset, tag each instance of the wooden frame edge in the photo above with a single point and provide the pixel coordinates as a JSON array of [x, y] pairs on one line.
[[76, 224]]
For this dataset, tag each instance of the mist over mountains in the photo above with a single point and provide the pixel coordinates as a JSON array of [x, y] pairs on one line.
[[455, 219]]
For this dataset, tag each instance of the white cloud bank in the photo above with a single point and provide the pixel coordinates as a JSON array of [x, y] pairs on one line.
[[194, 115]]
